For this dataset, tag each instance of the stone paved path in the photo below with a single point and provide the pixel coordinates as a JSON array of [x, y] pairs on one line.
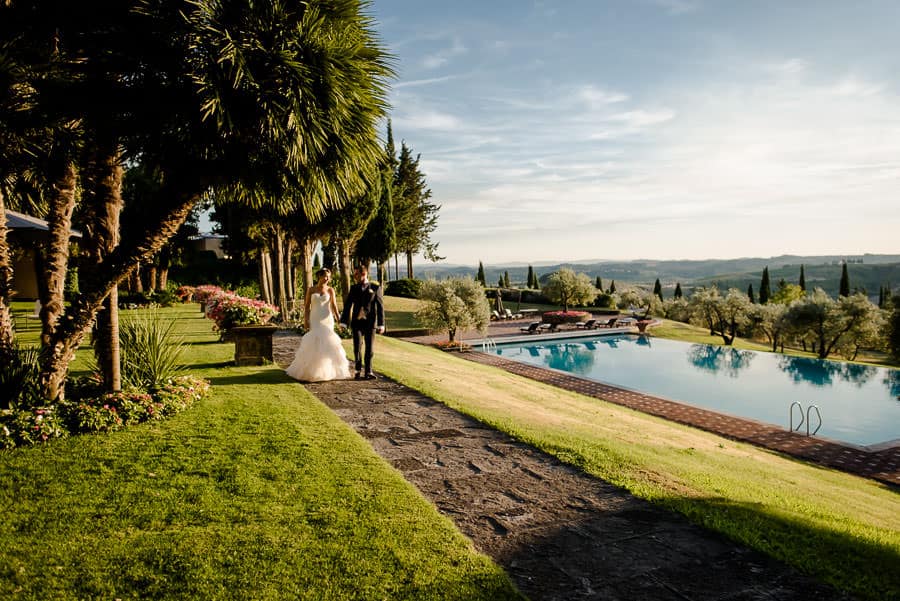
[[559, 533]]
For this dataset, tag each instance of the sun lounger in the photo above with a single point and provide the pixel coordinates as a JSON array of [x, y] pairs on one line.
[[548, 328], [510, 315], [586, 325], [532, 328], [609, 324]]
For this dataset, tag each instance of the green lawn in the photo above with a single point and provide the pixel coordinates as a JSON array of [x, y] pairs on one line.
[[838, 527], [399, 313], [257, 492]]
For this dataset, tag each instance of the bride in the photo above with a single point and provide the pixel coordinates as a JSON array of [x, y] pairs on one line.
[[320, 355]]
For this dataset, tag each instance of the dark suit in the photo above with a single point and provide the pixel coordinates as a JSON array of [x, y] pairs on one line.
[[363, 311]]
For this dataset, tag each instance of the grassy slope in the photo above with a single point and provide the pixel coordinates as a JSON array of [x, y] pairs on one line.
[[259, 491], [841, 528]]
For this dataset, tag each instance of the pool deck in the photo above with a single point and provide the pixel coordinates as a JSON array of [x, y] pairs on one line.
[[878, 463]]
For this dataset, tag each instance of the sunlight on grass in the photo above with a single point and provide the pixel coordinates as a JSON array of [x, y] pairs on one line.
[[841, 528], [259, 491]]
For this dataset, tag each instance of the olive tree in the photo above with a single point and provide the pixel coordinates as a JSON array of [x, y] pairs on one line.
[[455, 305], [722, 315], [638, 299], [565, 287], [769, 320], [834, 325]]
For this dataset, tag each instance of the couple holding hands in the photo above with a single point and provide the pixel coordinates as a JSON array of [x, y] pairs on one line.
[[321, 356]]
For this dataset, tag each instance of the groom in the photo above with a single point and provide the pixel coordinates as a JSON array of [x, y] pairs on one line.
[[363, 310]]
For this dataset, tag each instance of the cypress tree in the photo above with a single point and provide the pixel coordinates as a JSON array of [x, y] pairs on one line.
[[657, 289], [802, 279], [500, 282], [612, 287], [750, 293], [316, 263], [530, 279], [598, 284], [506, 279], [881, 297], [480, 276], [537, 281], [678, 293], [764, 290], [845, 282]]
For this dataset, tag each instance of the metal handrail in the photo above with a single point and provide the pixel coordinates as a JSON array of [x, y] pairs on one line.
[[816, 407], [791, 419], [488, 344]]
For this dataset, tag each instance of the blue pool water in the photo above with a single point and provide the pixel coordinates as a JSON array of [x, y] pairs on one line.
[[859, 403]]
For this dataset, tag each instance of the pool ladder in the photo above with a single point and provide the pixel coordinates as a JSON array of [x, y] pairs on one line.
[[488, 344], [806, 420]]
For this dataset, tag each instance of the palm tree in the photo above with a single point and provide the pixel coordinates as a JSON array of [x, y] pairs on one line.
[[263, 99]]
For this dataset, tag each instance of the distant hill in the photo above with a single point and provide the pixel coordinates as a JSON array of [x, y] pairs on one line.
[[867, 271], [864, 277]]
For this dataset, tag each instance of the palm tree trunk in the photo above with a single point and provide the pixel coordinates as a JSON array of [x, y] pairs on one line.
[[152, 272], [103, 200], [59, 350], [307, 247], [279, 263], [162, 274], [265, 275], [137, 284], [6, 274], [56, 264], [290, 277], [409, 268], [346, 268]]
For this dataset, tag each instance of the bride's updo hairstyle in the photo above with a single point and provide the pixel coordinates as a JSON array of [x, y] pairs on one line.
[[324, 271]]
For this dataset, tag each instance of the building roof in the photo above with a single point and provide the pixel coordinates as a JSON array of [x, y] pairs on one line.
[[26, 223]]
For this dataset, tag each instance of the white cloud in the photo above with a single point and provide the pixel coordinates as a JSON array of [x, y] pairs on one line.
[[596, 97], [853, 86], [677, 7], [423, 82], [791, 66], [643, 118], [442, 57]]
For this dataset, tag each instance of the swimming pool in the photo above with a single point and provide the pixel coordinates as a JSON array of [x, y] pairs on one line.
[[858, 403]]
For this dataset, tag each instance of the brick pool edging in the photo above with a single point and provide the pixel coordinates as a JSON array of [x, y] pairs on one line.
[[882, 465]]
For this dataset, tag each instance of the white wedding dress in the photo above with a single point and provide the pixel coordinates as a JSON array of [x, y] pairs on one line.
[[320, 355]]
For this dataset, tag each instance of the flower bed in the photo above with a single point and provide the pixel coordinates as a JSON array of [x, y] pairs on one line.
[[98, 412], [559, 317], [228, 310]]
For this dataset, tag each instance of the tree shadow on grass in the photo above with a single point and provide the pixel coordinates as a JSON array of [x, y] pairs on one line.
[[262, 377], [647, 552]]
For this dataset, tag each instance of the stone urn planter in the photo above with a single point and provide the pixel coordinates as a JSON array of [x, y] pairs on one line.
[[643, 324], [252, 344]]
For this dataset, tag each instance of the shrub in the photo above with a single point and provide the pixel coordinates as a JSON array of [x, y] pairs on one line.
[[407, 288], [31, 426], [185, 293], [151, 351], [115, 410], [203, 293], [454, 305], [228, 310], [565, 316], [19, 374]]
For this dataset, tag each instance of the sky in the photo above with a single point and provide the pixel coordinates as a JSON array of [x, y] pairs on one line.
[[666, 129]]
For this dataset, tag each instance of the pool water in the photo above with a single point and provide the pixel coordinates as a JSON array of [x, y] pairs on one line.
[[859, 404]]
